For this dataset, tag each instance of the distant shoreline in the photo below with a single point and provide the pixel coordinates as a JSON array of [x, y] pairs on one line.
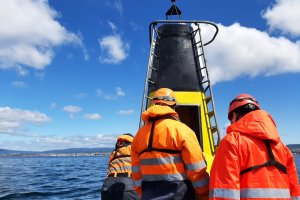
[[73, 154], [77, 152], [296, 152], [56, 154]]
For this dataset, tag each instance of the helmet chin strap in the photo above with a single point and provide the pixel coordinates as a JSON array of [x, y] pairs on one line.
[[238, 116], [235, 117]]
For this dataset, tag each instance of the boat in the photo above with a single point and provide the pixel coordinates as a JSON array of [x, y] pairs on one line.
[[177, 61]]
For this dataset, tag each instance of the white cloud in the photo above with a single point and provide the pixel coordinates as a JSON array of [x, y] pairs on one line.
[[21, 71], [29, 32], [118, 6], [52, 105], [85, 52], [135, 26], [40, 75], [41, 143], [126, 112], [113, 48], [284, 15], [80, 95], [240, 51], [120, 92], [13, 119], [19, 84], [72, 110], [93, 116], [99, 92], [112, 26], [109, 97], [86, 55]]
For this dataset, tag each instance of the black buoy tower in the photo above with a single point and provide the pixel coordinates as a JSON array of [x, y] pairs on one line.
[[177, 61]]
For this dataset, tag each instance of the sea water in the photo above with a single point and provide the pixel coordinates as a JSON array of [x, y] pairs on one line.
[[70, 178], [57, 178]]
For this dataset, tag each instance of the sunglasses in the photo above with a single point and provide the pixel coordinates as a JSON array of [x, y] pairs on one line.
[[165, 98], [242, 99]]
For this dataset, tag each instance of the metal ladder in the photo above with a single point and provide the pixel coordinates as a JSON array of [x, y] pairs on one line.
[[198, 46], [150, 69]]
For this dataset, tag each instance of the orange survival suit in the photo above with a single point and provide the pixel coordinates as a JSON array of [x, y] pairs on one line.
[[249, 170], [167, 162]]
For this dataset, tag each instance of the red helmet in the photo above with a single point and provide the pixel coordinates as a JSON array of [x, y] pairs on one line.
[[164, 96], [241, 100]]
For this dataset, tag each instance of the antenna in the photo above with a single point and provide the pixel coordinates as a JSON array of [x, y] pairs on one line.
[[174, 10]]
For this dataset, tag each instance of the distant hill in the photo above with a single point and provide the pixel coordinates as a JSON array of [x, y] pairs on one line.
[[80, 150], [295, 148], [6, 151], [58, 151]]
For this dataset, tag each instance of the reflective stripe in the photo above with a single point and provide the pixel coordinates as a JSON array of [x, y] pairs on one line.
[[137, 183], [161, 161], [195, 166], [136, 169], [265, 193], [120, 160], [250, 193], [118, 169], [295, 198], [224, 193], [164, 177], [201, 183]]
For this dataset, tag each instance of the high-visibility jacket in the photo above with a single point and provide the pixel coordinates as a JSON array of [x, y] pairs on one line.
[[120, 161], [118, 183], [234, 175], [175, 156]]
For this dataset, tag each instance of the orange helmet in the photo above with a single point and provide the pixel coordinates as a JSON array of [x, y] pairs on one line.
[[125, 137], [164, 96], [241, 100]]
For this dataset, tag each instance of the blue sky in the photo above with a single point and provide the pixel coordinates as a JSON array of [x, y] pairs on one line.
[[72, 72]]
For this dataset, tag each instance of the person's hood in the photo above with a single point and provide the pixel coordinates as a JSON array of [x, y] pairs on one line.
[[158, 110], [258, 124]]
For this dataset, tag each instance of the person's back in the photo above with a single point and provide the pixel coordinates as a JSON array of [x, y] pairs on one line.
[[166, 157], [252, 161], [118, 183]]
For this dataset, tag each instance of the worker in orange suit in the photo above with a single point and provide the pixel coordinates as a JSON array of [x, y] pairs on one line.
[[118, 184], [167, 161], [252, 162]]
